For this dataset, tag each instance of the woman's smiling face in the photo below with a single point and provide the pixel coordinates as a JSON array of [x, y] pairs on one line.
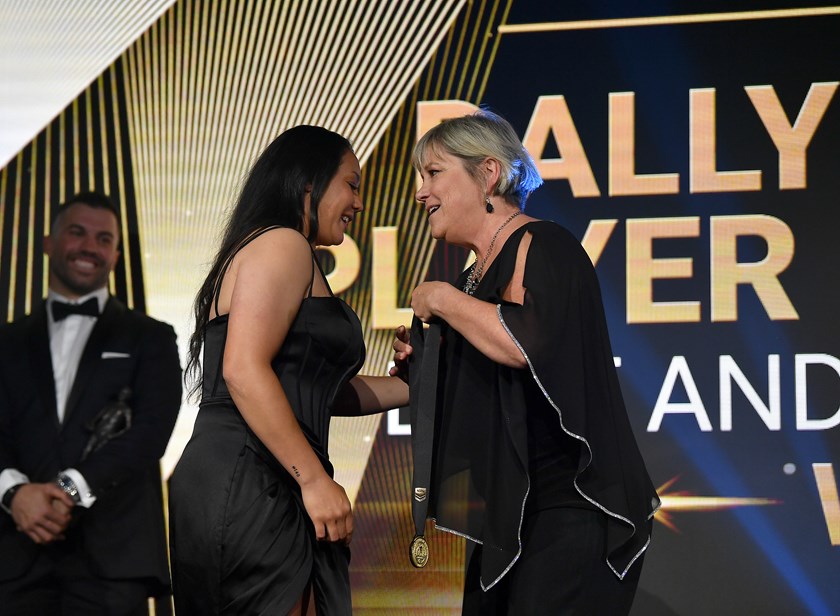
[[447, 193], [340, 202]]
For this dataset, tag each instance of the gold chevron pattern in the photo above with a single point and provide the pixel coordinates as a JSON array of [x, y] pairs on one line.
[[212, 83], [81, 149], [55, 50]]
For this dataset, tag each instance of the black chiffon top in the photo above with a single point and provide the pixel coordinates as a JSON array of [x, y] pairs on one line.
[[468, 380], [510, 441]]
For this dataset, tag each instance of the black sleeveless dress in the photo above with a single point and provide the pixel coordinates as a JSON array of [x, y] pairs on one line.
[[241, 541]]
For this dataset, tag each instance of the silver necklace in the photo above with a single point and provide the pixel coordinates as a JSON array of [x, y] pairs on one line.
[[474, 277]]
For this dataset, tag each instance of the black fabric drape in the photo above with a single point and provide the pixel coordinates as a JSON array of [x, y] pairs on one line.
[[480, 477]]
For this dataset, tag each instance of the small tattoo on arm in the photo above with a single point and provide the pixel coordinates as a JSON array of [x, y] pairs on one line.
[[295, 469]]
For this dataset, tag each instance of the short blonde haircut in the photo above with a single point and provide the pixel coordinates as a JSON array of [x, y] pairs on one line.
[[476, 137]]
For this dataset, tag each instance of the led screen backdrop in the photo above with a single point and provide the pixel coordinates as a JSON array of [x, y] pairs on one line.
[[692, 148]]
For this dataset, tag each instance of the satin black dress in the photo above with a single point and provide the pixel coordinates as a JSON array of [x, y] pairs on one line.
[[241, 540]]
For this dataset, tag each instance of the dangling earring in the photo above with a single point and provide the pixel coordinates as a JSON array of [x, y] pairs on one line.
[[489, 205]]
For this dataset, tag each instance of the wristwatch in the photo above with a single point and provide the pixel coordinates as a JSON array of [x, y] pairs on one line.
[[9, 494], [69, 486]]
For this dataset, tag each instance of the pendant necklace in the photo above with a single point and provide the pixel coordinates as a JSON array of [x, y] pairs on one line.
[[474, 277]]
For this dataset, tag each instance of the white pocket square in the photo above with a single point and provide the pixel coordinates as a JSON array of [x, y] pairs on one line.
[[114, 355]]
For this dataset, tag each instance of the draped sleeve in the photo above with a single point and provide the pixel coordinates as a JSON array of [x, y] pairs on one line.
[[562, 332]]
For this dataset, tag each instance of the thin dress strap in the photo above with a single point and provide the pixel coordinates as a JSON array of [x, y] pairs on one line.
[[317, 263], [217, 287]]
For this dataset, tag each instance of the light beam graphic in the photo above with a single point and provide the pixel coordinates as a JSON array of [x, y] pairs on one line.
[[683, 500]]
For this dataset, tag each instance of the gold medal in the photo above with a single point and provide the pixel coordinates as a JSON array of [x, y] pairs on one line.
[[418, 552]]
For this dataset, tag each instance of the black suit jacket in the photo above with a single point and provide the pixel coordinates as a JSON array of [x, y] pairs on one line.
[[123, 532]]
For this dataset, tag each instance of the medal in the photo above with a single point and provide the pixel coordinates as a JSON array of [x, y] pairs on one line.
[[418, 552]]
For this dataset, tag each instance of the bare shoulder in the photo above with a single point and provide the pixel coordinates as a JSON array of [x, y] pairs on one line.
[[280, 251], [282, 240], [274, 267], [277, 254]]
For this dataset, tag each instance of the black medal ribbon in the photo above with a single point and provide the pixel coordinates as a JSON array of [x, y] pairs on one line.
[[423, 381]]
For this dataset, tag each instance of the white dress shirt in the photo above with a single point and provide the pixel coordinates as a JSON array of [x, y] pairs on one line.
[[68, 339]]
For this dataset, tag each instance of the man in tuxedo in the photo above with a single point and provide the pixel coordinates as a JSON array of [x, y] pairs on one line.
[[82, 531]]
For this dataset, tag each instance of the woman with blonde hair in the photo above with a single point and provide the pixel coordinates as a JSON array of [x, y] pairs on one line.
[[532, 430]]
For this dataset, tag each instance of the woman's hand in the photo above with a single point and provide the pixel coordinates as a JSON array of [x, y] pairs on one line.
[[402, 349], [328, 507], [427, 298]]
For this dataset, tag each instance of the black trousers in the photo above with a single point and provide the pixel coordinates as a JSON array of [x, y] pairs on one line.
[[562, 570], [61, 582]]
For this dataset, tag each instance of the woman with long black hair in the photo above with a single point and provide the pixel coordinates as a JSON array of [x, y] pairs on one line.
[[258, 525]]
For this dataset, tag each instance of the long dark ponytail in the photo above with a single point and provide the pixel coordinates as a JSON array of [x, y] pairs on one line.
[[300, 159]]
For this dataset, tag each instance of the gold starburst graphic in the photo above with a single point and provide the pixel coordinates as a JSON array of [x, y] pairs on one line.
[[683, 500]]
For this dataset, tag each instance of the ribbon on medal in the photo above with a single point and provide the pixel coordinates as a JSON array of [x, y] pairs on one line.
[[423, 402]]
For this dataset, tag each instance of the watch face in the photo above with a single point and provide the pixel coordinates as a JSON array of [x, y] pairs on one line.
[[9, 495], [69, 486]]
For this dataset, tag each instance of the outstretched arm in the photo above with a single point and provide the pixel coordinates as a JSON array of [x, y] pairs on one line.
[[365, 395]]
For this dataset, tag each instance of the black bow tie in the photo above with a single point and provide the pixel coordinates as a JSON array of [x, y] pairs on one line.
[[61, 310]]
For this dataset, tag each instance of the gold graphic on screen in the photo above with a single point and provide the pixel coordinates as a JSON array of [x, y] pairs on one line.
[[827, 487], [684, 500]]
